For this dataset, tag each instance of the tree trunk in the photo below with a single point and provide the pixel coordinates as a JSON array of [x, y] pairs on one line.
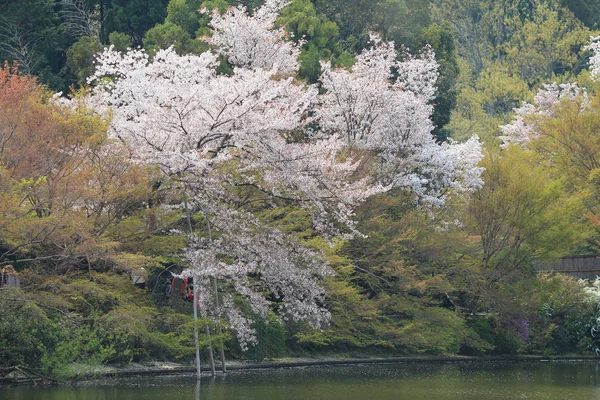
[[218, 314], [219, 330], [198, 368], [211, 357], [195, 300]]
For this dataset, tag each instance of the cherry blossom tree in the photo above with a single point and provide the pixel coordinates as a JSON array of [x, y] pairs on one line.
[[254, 42], [176, 112], [522, 129], [260, 128]]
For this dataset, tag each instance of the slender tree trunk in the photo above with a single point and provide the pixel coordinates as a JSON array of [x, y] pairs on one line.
[[196, 280], [195, 300], [89, 268], [211, 357], [216, 289], [219, 330]]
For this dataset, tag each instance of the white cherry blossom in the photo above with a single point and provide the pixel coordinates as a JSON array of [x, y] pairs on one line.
[[522, 129], [392, 117], [594, 46], [252, 41]]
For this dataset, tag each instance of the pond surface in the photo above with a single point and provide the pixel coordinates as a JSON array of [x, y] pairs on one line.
[[548, 381]]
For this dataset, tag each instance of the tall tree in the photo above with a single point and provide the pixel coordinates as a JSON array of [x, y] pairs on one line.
[[59, 203], [211, 130], [561, 127]]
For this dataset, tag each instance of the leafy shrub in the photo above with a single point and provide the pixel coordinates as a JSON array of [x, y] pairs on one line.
[[26, 332], [271, 338]]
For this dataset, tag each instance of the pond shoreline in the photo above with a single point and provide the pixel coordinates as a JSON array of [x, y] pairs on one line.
[[93, 373], [372, 360]]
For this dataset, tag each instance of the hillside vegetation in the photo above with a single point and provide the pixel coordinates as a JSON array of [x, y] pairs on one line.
[[335, 176]]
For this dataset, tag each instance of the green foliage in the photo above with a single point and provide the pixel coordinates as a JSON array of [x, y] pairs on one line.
[[353, 17], [184, 13], [72, 319], [549, 42], [441, 38], [271, 338], [133, 17], [120, 40], [435, 330], [522, 214], [515, 43], [587, 11], [486, 103], [182, 24], [499, 91], [400, 20], [87, 345], [403, 21], [389, 287], [568, 146], [302, 22], [32, 34], [569, 143], [536, 39], [165, 35], [146, 232], [562, 310], [80, 57], [550, 316], [26, 332]]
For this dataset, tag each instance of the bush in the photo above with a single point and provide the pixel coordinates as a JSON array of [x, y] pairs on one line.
[[271, 338], [563, 309], [26, 332]]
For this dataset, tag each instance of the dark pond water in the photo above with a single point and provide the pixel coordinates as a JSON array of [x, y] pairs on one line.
[[548, 381]]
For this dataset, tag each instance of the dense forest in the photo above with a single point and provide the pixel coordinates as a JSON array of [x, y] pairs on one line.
[[328, 176]]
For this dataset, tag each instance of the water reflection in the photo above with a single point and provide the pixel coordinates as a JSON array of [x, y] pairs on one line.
[[546, 381]]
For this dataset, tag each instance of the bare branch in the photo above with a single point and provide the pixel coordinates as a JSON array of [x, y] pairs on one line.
[[18, 47], [79, 18]]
